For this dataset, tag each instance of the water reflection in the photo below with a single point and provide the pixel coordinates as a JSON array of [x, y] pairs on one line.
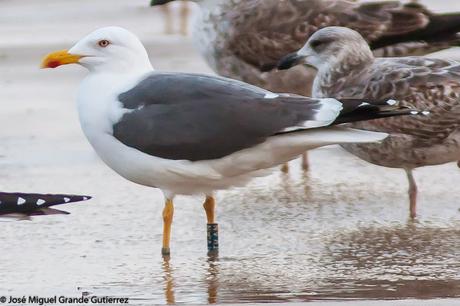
[[212, 278], [406, 261], [398, 262], [284, 238], [168, 281]]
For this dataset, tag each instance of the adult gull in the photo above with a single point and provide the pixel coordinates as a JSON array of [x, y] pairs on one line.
[[195, 134]]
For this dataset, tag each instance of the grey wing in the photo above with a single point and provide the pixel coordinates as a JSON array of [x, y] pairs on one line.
[[197, 117], [426, 84]]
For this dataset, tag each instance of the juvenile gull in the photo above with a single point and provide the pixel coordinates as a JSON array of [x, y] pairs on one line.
[[348, 69], [244, 39], [194, 134], [21, 205]]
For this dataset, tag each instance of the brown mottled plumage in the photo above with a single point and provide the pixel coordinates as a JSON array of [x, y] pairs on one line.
[[348, 69], [245, 39]]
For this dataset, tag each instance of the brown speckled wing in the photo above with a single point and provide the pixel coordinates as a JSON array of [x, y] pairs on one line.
[[425, 84], [265, 30], [398, 19], [416, 48]]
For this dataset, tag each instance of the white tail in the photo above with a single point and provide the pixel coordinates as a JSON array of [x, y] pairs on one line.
[[340, 135]]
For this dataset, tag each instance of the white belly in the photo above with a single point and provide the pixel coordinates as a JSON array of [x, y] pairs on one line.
[[203, 177]]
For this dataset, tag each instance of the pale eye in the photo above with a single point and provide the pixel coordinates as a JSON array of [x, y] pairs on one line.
[[103, 43]]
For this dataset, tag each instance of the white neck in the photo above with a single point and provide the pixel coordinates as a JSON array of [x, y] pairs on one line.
[[131, 66], [97, 99]]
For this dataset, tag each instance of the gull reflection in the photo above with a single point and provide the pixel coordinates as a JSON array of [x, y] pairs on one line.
[[210, 280], [169, 282]]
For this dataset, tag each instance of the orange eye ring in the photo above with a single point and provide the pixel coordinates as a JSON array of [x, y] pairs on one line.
[[103, 43]]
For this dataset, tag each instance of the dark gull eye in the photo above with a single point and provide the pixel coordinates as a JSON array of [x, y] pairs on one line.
[[319, 44], [316, 43], [103, 43]]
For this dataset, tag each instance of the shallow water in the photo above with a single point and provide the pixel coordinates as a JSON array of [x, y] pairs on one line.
[[289, 237], [340, 231]]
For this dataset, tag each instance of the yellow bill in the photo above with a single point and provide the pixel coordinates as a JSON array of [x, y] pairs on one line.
[[59, 58]]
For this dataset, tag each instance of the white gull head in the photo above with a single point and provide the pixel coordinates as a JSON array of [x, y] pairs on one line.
[[113, 50], [117, 61]]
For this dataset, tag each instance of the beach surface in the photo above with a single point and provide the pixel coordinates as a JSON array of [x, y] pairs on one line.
[[336, 235]]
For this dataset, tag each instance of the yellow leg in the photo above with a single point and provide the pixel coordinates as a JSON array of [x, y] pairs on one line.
[[168, 213], [210, 206]]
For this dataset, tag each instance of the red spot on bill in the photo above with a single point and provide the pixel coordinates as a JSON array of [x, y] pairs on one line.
[[53, 64]]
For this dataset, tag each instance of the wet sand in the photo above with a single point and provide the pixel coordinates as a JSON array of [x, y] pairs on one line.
[[338, 232]]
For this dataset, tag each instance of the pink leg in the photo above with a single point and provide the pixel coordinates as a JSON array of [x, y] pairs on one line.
[[305, 163], [412, 193], [285, 168], [184, 12], [168, 19]]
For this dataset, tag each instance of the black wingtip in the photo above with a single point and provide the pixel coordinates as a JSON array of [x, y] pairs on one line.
[[159, 2], [34, 203], [47, 211], [360, 110], [267, 68]]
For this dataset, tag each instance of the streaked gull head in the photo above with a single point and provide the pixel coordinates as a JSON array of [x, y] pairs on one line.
[[329, 46]]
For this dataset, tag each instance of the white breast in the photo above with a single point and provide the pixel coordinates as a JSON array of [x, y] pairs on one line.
[[99, 110]]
